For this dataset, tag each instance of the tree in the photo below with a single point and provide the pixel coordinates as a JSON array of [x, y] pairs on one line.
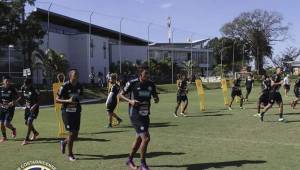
[[287, 56], [53, 63], [258, 29], [25, 33]]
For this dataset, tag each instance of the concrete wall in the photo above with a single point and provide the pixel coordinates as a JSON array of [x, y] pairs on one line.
[[129, 52]]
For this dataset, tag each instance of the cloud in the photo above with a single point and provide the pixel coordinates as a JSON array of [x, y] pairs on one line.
[[140, 1], [166, 5]]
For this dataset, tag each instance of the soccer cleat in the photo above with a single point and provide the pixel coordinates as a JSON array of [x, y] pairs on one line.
[[109, 126], [282, 120], [256, 115], [34, 136], [144, 167], [120, 121], [14, 133], [72, 158], [25, 142], [261, 117], [62, 147], [242, 108], [183, 114], [175, 115], [229, 108], [131, 164], [3, 139]]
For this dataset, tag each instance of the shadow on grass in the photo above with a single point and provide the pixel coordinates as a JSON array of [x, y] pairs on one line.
[[104, 132], [56, 140], [120, 156], [152, 125], [289, 114], [213, 115], [199, 166]]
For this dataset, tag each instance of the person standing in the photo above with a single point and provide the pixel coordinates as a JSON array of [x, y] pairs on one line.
[[30, 95], [249, 84], [275, 96], [182, 95], [140, 92], [236, 92], [286, 85], [8, 99], [69, 96]]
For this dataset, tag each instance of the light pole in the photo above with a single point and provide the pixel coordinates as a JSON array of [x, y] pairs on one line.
[[222, 58], [243, 55], [120, 42], [90, 41], [233, 47], [9, 48], [191, 42], [172, 56], [148, 45], [207, 59], [48, 25]]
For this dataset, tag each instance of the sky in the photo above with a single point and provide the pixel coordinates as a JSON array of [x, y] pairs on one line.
[[198, 19]]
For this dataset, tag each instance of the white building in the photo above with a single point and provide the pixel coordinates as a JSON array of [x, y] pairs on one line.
[[71, 37]]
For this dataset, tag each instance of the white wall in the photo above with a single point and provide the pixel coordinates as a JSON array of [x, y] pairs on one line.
[[129, 52]]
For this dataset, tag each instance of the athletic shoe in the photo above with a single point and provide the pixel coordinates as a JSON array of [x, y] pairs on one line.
[[120, 121], [144, 167], [175, 115], [34, 136], [131, 164], [62, 147], [72, 158], [229, 108], [109, 126], [183, 114], [256, 115], [261, 117], [14, 133], [282, 120], [3, 139], [25, 142], [242, 108]]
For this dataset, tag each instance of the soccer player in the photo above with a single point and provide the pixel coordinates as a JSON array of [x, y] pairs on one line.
[[140, 91], [286, 85], [275, 96], [8, 98], [30, 94], [69, 95], [249, 84], [182, 95], [236, 91], [265, 93], [296, 92], [112, 100]]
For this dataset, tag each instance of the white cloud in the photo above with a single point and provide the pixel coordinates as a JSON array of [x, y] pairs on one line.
[[166, 5], [140, 1]]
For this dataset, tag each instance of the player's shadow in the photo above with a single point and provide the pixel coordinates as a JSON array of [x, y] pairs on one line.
[[121, 156], [289, 114], [211, 115], [80, 139], [153, 125], [104, 132], [56, 140], [200, 166]]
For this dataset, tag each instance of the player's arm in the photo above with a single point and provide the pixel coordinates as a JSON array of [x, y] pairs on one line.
[[126, 90], [60, 93], [34, 107], [16, 97], [155, 94]]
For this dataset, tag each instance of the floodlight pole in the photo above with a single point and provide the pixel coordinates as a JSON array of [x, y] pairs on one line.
[[120, 42], [148, 45], [48, 25], [90, 41]]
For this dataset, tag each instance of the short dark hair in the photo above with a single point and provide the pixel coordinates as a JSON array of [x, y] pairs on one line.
[[73, 69], [142, 68]]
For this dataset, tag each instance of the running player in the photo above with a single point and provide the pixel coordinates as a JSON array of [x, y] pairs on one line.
[[182, 95], [30, 94], [112, 100], [236, 91], [140, 91], [8, 98], [265, 93], [296, 92], [69, 95], [249, 84], [275, 96]]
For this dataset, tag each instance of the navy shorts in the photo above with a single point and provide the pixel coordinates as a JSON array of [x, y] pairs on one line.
[[30, 116], [6, 115], [111, 107], [71, 120], [236, 92], [181, 98], [139, 123], [264, 98], [275, 97]]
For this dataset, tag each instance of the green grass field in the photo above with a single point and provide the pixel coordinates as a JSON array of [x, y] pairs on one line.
[[214, 139]]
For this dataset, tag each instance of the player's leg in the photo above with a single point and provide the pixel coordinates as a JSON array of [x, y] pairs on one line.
[[117, 117], [144, 145], [177, 106], [241, 100], [7, 123], [3, 131], [231, 101], [135, 147], [109, 113]]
